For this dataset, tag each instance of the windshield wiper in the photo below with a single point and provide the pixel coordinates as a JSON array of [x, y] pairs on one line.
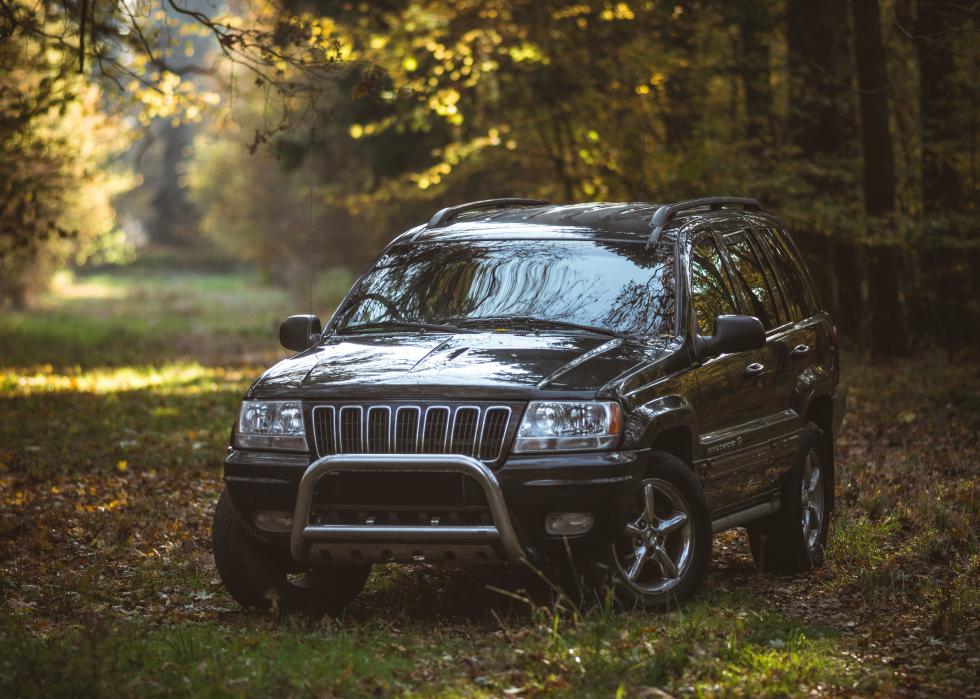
[[533, 322], [418, 325]]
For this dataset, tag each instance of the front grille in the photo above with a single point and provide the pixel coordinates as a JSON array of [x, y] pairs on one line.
[[471, 430]]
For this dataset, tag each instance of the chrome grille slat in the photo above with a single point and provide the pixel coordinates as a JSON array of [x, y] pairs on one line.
[[407, 419], [436, 430], [471, 430], [349, 425], [465, 422], [378, 429], [324, 432], [495, 422]]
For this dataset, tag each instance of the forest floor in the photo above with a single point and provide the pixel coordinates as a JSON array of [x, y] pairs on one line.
[[116, 398]]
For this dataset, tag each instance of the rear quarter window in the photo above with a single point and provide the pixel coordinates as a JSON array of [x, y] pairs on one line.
[[788, 274], [805, 292]]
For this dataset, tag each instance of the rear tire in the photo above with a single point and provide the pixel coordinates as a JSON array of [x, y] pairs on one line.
[[661, 557], [257, 574], [792, 540]]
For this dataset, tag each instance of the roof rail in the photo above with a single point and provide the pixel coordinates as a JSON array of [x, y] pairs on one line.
[[444, 216], [667, 211]]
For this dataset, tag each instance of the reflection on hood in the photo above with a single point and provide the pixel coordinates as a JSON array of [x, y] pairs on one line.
[[413, 364]]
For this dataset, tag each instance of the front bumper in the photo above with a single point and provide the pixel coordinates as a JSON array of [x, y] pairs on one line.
[[519, 494], [328, 542]]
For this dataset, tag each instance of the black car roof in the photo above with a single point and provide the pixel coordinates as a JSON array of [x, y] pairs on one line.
[[630, 221]]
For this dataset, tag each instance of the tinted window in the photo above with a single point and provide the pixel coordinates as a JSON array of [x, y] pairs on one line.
[[621, 286], [711, 288], [790, 276], [749, 273], [782, 238]]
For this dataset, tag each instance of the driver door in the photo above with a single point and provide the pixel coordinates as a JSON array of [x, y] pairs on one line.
[[734, 389]]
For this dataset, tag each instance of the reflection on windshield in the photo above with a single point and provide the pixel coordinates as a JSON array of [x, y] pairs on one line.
[[620, 286]]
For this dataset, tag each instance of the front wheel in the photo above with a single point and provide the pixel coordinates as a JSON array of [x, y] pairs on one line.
[[258, 575], [661, 556]]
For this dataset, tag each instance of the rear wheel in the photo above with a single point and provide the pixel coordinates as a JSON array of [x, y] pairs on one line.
[[661, 556], [257, 574], [793, 539]]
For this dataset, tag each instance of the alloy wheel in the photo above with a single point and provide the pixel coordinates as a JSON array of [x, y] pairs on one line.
[[656, 547]]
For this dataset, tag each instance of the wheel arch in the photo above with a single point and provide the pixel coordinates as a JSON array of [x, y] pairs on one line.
[[678, 441], [667, 423]]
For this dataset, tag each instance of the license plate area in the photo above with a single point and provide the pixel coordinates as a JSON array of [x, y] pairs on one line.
[[396, 489]]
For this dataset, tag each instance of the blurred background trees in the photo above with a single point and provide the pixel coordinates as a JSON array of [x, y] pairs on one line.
[[855, 120]]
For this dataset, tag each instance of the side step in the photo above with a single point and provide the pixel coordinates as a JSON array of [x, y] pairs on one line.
[[737, 519]]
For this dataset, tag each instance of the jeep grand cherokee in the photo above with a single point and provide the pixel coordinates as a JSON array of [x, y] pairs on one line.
[[518, 382]]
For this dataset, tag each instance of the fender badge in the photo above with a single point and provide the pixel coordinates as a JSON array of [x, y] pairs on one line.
[[725, 446]]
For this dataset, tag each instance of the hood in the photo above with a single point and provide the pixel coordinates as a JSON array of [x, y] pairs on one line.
[[463, 366]]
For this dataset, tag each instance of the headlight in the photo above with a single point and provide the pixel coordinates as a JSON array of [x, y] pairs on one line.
[[569, 426], [271, 424]]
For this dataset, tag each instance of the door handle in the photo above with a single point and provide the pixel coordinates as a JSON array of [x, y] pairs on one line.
[[754, 369], [799, 351]]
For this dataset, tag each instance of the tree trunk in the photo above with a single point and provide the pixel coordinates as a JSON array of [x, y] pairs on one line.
[[754, 23], [681, 115], [942, 189], [948, 299], [889, 334], [819, 115], [818, 83], [174, 220]]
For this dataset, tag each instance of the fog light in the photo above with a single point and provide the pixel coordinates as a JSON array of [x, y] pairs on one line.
[[273, 520], [568, 523]]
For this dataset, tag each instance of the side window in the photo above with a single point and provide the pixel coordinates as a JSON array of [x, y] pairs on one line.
[[750, 275], [790, 276], [811, 305], [711, 288]]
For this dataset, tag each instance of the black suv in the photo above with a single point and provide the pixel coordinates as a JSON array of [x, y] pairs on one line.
[[514, 381]]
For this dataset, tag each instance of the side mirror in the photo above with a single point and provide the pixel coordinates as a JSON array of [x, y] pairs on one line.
[[732, 334], [298, 333]]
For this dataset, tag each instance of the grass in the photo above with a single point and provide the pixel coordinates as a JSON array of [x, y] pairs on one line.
[[115, 402], [145, 317], [745, 651]]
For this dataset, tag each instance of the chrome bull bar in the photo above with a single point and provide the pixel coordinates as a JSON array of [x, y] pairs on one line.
[[304, 534]]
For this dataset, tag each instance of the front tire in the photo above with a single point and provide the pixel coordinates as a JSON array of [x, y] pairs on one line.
[[792, 540], [661, 557], [257, 574]]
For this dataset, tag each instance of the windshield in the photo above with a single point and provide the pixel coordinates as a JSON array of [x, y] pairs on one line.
[[624, 288]]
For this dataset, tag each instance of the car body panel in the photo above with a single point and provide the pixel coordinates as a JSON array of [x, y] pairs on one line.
[[440, 365]]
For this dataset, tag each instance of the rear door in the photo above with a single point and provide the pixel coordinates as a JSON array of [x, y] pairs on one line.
[[801, 345]]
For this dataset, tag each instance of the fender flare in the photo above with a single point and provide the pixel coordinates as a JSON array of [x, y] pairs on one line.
[[646, 422]]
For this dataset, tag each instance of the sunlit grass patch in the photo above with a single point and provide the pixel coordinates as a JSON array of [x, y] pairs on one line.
[[128, 659], [697, 652], [169, 379], [65, 286], [788, 668], [147, 317], [860, 543], [55, 422]]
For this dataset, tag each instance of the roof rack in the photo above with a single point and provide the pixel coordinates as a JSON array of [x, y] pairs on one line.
[[444, 216], [667, 211]]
